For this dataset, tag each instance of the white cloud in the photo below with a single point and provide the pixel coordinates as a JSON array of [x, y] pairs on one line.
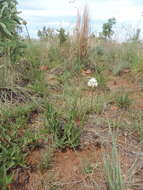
[[36, 12], [123, 10], [50, 13]]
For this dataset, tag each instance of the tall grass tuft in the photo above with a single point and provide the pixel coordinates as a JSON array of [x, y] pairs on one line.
[[112, 168], [81, 33]]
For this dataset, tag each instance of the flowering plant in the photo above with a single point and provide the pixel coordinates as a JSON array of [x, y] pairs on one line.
[[92, 83]]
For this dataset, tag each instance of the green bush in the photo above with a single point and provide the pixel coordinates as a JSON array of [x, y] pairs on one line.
[[11, 43]]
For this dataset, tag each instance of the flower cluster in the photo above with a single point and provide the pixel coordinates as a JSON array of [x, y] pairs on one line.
[[92, 83]]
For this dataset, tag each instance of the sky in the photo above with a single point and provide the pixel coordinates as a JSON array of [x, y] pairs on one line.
[[62, 13]]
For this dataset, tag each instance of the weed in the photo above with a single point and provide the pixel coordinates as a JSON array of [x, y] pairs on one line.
[[14, 140], [5, 179], [99, 51], [100, 76], [66, 134], [76, 104], [70, 137], [112, 169], [77, 109], [136, 123], [65, 77], [38, 87], [88, 169], [119, 67], [99, 104], [46, 159], [123, 101]]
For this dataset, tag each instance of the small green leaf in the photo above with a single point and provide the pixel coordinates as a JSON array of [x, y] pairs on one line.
[[5, 5], [4, 28]]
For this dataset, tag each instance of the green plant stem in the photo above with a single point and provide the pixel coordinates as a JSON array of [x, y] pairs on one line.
[[92, 97]]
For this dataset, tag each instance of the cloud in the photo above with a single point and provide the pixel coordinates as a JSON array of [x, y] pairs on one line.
[[44, 13], [123, 10], [53, 5], [58, 13]]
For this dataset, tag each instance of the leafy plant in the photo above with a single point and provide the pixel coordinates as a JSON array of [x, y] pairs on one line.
[[66, 133], [5, 179], [10, 22], [14, 141], [70, 136], [88, 169]]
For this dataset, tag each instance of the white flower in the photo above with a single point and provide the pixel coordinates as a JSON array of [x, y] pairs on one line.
[[92, 83]]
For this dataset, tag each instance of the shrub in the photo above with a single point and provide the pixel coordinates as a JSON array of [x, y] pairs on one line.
[[10, 21]]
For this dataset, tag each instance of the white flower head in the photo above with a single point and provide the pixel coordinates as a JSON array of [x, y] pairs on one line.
[[92, 83]]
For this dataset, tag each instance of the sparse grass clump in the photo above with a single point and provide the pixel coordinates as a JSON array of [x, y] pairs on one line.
[[65, 132], [123, 101], [136, 123], [100, 104], [47, 157], [112, 169]]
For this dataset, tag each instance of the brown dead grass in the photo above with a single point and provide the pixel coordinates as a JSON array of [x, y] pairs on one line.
[[81, 33]]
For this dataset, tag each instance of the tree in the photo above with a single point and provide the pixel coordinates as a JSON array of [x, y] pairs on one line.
[[136, 36], [108, 28], [45, 33], [62, 36]]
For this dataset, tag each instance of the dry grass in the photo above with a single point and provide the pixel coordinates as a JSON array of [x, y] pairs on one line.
[[81, 33]]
